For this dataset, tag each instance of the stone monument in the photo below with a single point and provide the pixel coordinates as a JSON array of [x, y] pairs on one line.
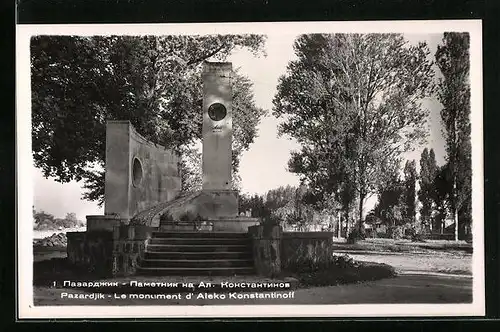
[[142, 190], [216, 204], [217, 126]]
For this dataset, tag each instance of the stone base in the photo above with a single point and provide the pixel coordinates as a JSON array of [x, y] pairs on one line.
[[266, 247], [129, 244], [235, 225], [91, 250], [207, 205], [104, 222]]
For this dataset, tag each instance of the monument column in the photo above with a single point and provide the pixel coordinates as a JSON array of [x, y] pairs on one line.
[[217, 126]]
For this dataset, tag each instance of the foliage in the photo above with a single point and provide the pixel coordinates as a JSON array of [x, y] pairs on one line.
[[78, 83], [390, 205], [312, 264], [255, 204], [353, 104], [396, 232], [441, 196], [355, 235], [452, 58], [339, 269], [428, 172], [45, 221], [286, 204], [409, 195]]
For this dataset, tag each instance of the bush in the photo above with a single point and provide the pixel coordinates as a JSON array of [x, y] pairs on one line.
[[271, 220], [395, 232], [371, 233], [293, 220], [418, 238], [355, 235], [309, 264], [339, 269], [413, 235], [409, 233]]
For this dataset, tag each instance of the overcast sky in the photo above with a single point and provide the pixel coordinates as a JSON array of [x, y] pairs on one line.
[[263, 167]]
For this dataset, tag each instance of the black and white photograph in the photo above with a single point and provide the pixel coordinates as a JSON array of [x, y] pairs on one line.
[[298, 169]]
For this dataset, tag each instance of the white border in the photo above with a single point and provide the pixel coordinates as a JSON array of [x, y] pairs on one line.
[[25, 178]]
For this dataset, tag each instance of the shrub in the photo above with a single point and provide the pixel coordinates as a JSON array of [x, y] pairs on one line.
[[417, 237], [409, 233], [339, 269], [371, 233], [355, 235], [309, 264], [395, 232], [293, 219], [271, 220]]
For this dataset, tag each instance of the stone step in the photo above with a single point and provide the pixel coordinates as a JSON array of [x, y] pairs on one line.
[[199, 241], [198, 271], [197, 248], [183, 228], [196, 263], [199, 234], [199, 255]]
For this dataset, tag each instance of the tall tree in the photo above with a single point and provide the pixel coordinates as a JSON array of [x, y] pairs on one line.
[[390, 201], [428, 172], [442, 192], [452, 58], [78, 83], [410, 181], [353, 104]]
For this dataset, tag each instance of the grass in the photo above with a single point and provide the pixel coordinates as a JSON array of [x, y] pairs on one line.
[[401, 246]]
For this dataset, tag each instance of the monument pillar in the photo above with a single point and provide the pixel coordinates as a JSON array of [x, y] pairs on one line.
[[217, 126], [217, 140]]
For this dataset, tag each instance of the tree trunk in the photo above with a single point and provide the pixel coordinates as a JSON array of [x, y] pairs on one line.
[[454, 207], [455, 218], [339, 231], [360, 222], [347, 227]]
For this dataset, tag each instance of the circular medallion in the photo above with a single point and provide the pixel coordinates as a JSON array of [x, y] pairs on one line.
[[136, 172], [217, 111]]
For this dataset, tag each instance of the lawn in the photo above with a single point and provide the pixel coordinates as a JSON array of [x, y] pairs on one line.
[[390, 245]]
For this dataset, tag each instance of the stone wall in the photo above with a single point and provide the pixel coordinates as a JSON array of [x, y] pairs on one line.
[[297, 247], [266, 247], [139, 173], [91, 250], [275, 251], [129, 244]]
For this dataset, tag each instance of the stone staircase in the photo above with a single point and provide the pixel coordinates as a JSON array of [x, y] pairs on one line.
[[185, 250]]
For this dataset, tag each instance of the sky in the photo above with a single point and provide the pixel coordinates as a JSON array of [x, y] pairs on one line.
[[263, 166]]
